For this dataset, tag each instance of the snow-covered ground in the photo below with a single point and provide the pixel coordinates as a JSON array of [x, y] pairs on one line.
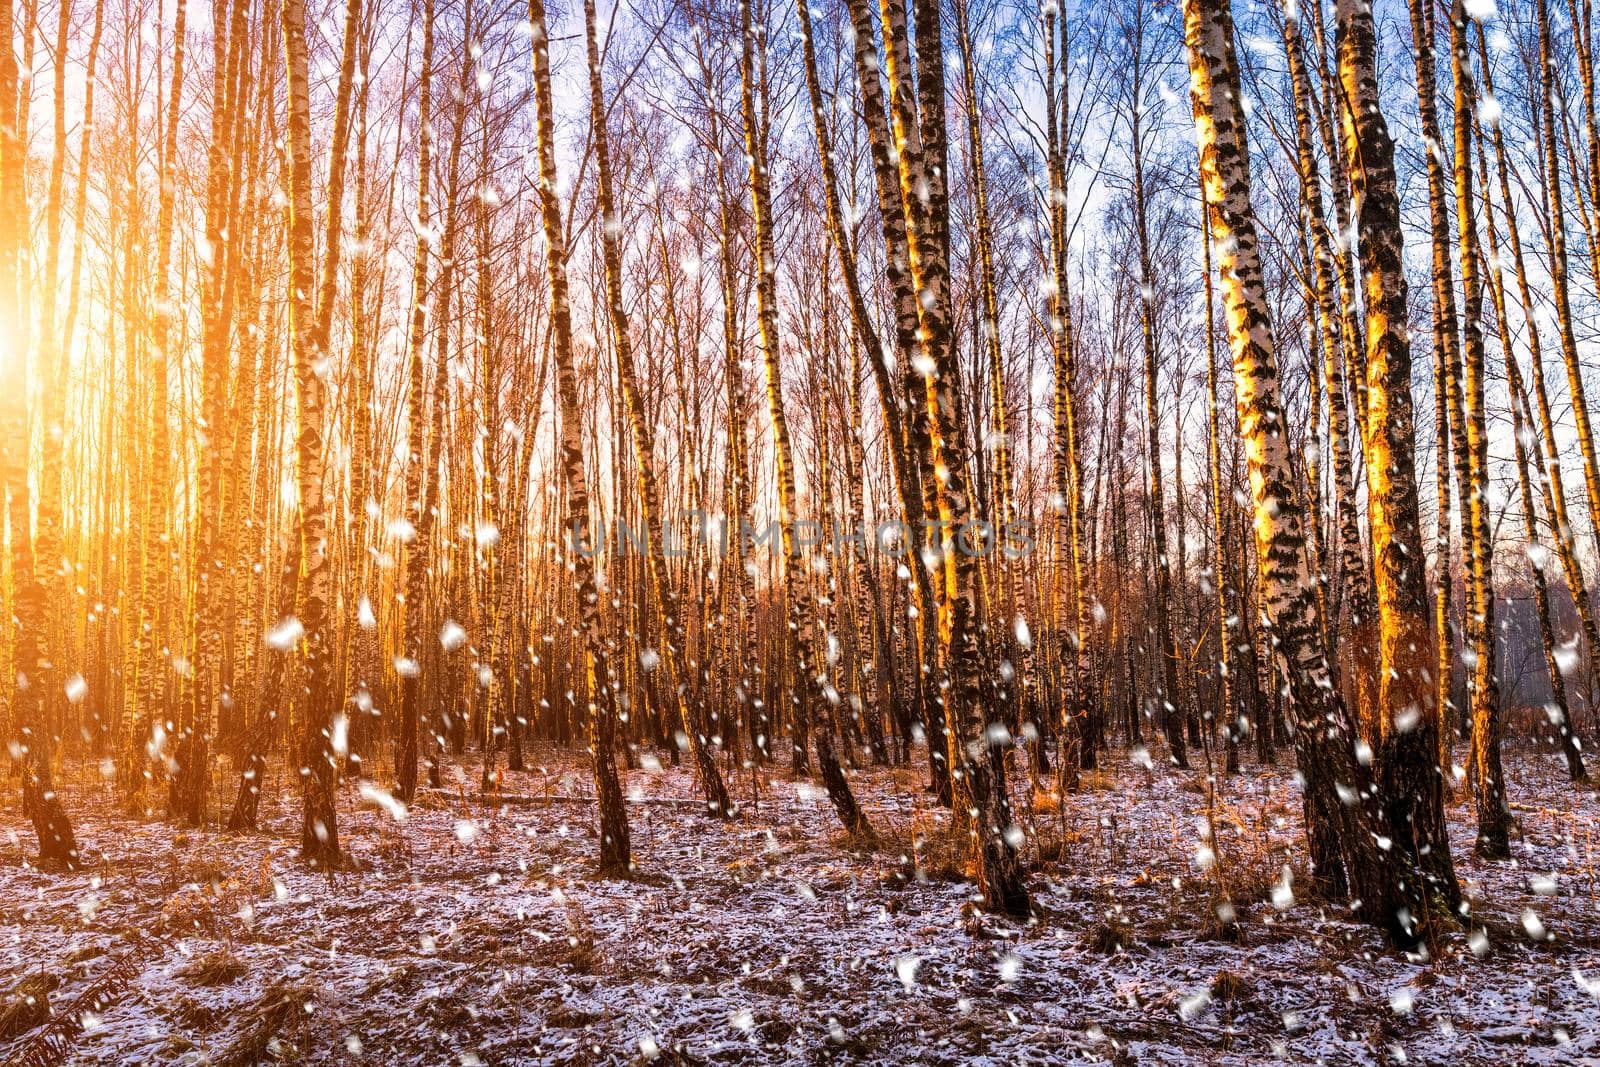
[[476, 934]]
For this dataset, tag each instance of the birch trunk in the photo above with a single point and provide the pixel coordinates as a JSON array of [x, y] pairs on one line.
[[1526, 440], [803, 632], [1168, 693], [319, 833], [1494, 817], [981, 784], [1067, 461], [1360, 636], [656, 525], [1447, 359], [1413, 786], [156, 567], [30, 653], [1343, 836], [913, 490], [416, 344], [1542, 440], [615, 852]]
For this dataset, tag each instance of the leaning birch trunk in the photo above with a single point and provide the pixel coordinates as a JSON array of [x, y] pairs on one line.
[[981, 789], [1560, 286], [364, 647], [319, 833], [615, 852], [892, 213], [891, 403], [29, 616], [1227, 617], [419, 561], [1560, 291], [1350, 326], [495, 651], [1546, 464], [1345, 834], [1525, 439], [250, 385], [1413, 785], [53, 569], [802, 632], [903, 137], [656, 527], [1067, 462], [81, 199], [738, 576], [1354, 573], [238, 291], [132, 764], [906, 176], [1004, 512], [328, 284], [891, 406]]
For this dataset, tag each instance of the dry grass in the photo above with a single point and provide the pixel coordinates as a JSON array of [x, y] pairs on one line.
[[1222, 921], [939, 852], [393, 848], [197, 1015], [201, 867], [27, 1005], [214, 968], [53, 1043], [1054, 843], [1096, 781], [1110, 937], [1250, 863], [1230, 986], [276, 1016], [212, 893], [926, 850], [582, 954]]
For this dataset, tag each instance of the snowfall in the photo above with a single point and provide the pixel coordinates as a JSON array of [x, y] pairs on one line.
[[473, 930]]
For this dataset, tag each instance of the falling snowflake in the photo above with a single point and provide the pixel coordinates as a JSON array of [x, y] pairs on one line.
[[451, 635], [286, 634]]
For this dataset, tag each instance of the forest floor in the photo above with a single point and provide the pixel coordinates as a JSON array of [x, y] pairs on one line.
[[475, 933]]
